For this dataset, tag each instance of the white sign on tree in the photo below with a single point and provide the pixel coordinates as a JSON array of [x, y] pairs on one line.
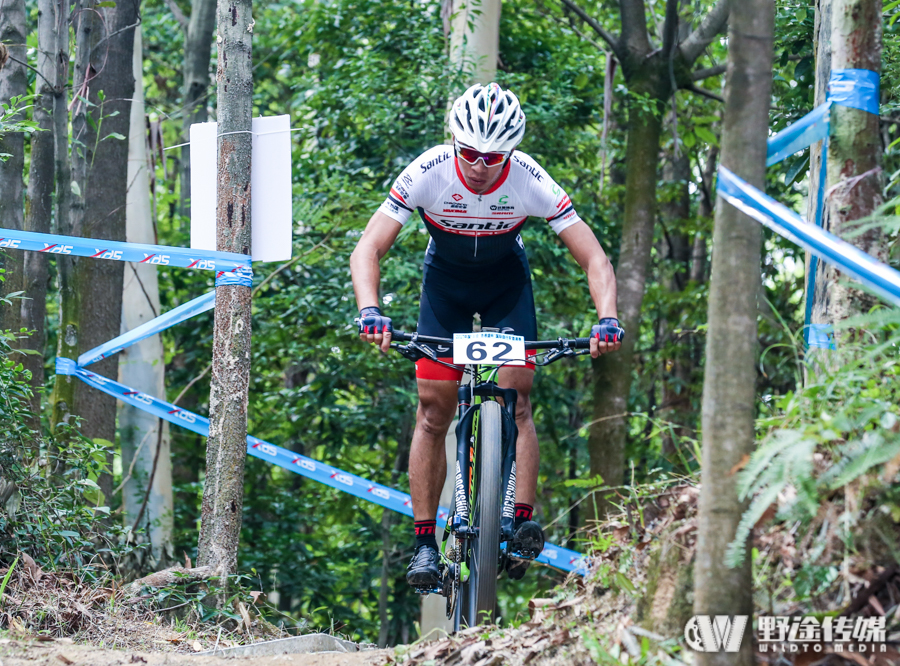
[[270, 188]]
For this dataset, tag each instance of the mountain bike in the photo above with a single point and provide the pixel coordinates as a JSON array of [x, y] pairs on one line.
[[483, 511]]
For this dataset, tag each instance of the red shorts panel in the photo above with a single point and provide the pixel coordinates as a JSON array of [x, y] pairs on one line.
[[428, 369]]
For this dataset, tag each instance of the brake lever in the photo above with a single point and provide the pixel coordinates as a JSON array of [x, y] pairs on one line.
[[413, 351]]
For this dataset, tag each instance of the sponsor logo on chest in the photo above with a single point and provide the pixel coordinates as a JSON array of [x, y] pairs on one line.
[[470, 228]]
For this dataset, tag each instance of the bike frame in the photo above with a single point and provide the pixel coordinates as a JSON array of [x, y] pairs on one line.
[[454, 586]]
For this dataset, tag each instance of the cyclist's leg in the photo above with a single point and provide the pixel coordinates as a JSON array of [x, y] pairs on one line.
[[513, 312], [528, 457], [437, 386], [427, 454]]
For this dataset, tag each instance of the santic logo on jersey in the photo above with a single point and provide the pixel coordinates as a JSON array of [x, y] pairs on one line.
[[437, 160], [473, 228], [530, 168]]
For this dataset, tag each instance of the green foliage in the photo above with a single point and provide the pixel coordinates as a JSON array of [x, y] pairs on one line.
[[834, 431], [51, 509], [12, 119]]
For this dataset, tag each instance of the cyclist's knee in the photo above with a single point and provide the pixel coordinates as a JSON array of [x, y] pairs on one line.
[[434, 417], [437, 406]]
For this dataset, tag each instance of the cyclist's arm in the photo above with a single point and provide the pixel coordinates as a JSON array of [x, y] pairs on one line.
[[586, 250], [380, 234]]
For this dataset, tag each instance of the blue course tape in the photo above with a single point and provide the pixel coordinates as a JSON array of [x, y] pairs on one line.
[[820, 335], [159, 255], [240, 276], [810, 128], [856, 88], [554, 556], [152, 327], [879, 277], [817, 340], [233, 269]]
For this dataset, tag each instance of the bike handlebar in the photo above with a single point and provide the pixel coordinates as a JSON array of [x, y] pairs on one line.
[[559, 343]]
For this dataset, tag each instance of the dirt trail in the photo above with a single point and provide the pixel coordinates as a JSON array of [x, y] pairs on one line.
[[63, 653]]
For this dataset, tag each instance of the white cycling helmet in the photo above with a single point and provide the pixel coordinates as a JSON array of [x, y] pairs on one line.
[[488, 119]]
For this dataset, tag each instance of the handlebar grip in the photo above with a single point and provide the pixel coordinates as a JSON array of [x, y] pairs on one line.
[[582, 343]]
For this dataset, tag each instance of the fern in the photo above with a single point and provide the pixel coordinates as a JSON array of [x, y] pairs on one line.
[[848, 412]]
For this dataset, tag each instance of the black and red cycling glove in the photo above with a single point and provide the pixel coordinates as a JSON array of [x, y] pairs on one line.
[[608, 330], [372, 321]]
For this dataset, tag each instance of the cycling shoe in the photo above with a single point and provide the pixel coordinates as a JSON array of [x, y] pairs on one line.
[[423, 571], [526, 544]]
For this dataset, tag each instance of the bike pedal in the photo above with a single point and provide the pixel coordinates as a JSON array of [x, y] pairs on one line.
[[429, 590]]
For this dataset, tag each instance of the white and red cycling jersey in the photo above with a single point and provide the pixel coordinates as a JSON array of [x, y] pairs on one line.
[[468, 228]]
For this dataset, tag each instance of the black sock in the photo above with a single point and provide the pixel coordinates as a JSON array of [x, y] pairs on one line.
[[425, 533], [524, 512]]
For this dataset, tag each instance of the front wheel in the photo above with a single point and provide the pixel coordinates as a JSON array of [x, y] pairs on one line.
[[482, 592]]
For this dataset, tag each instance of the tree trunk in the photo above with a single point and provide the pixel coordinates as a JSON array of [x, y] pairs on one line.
[[729, 396], [652, 74], [853, 179], [612, 372], [64, 385], [675, 404], [198, 39], [105, 61], [226, 448], [475, 36], [71, 177], [13, 82], [822, 52], [39, 202], [145, 454]]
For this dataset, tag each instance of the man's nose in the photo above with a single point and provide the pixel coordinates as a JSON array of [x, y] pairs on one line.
[[479, 167]]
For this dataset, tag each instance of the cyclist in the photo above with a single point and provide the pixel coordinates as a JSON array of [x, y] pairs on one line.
[[474, 198]]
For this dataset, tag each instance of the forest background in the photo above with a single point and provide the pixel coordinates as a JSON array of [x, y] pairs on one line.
[[366, 85]]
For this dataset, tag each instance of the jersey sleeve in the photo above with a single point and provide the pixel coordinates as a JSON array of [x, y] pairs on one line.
[[545, 197], [400, 201], [416, 186], [559, 211]]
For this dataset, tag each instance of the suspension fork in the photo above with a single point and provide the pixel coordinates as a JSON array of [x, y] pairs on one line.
[[463, 463], [510, 435]]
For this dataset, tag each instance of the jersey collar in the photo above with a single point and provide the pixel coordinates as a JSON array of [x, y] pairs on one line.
[[503, 174]]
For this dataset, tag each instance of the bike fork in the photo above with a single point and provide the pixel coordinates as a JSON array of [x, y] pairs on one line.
[[463, 463]]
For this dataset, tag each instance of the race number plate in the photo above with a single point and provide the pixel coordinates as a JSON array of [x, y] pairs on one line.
[[488, 349]]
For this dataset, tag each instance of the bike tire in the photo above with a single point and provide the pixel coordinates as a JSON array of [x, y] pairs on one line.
[[482, 592]]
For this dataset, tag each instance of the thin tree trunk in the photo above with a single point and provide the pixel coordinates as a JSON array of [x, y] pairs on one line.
[[729, 396], [198, 39], [822, 51], [652, 73], [677, 367], [64, 384], [71, 182], [105, 61], [142, 365], [475, 36], [706, 208], [854, 179], [612, 372], [226, 448], [13, 83], [39, 202], [401, 464]]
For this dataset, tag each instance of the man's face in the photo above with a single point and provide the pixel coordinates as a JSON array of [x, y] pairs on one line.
[[478, 177]]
